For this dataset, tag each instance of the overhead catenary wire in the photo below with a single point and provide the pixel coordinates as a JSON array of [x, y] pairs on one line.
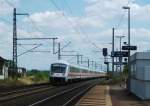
[[121, 17], [9, 3], [6, 21], [35, 26], [80, 30]]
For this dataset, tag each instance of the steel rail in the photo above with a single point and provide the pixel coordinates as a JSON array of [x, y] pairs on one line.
[[78, 95], [22, 90], [56, 95], [21, 94]]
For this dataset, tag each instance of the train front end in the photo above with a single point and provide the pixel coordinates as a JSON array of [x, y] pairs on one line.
[[58, 73]]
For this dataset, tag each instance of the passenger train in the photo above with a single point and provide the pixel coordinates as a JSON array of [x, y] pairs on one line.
[[63, 72]]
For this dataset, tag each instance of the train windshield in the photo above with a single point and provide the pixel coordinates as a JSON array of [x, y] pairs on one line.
[[58, 68]]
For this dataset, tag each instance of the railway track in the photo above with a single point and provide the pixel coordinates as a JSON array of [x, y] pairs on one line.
[[48, 95], [22, 89], [13, 88], [6, 96], [67, 97]]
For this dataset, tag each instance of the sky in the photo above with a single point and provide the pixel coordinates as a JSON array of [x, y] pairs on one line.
[[87, 24]]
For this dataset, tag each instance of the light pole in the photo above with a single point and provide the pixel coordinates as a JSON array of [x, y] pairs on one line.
[[113, 45], [128, 8], [120, 58]]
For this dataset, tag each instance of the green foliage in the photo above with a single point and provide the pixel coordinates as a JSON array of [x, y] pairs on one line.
[[119, 77], [38, 76], [10, 82], [125, 70]]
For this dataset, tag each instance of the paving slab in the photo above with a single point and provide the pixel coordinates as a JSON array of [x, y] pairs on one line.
[[121, 97], [97, 96]]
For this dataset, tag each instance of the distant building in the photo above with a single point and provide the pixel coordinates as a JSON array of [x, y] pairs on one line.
[[21, 71], [3, 68], [140, 74]]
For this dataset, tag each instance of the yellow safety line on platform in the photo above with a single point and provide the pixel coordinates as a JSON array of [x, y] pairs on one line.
[[97, 96], [108, 97]]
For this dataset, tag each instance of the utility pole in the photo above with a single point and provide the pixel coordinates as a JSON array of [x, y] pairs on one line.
[[15, 60], [59, 52], [88, 63], [14, 43], [54, 45], [78, 58], [95, 65], [81, 58], [107, 68], [92, 63], [101, 67], [120, 58], [129, 79], [113, 34]]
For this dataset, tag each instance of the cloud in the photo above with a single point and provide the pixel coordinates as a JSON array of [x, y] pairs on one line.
[[105, 9], [112, 9], [140, 12], [6, 6], [57, 20], [95, 25]]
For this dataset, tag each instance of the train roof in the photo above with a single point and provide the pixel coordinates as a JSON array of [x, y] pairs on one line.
[[61, 61], [73, 65]]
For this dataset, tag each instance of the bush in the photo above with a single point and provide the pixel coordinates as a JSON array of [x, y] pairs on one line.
[[38, 76]]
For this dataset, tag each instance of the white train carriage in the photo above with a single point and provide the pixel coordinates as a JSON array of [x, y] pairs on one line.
[[62, 71]]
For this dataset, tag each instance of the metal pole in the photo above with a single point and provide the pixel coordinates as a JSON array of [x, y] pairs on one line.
[[81, 59], [129, 45], [14, 44], [15, 60], [128, 8], [88, 63], [59, 52], [53, 46], [78, 58], [92, 63], [120, 56], [113, 33], [95, 65], [107, 68], [101, 67]]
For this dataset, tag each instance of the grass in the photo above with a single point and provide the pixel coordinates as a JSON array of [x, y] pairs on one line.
[[11, 82], [38, 76], [31, 77], [117, 79]]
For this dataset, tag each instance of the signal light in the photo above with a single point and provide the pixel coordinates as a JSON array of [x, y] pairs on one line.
[[105, 53]]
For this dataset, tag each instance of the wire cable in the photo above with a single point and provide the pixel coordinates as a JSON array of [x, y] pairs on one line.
[[81, 29]]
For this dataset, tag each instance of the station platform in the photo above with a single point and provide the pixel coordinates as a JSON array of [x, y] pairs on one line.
[[112, 95], [97, 96]]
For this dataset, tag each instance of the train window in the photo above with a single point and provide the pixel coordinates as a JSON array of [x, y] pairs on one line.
[[74, 69], [58, 68]]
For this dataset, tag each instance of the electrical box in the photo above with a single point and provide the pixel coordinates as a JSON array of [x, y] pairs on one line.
[[140, 74]]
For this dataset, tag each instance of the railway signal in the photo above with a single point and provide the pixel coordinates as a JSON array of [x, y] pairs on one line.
[[105, 52]]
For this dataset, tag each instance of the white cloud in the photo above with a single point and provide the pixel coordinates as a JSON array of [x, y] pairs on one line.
[[6, 6], [96, 22], [112, 9], [24, 33], [57, 20]]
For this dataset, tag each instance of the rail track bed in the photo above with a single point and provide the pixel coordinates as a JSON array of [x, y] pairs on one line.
[[47, 95], [19, 87]]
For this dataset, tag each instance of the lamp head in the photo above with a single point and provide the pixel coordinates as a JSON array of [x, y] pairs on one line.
[[126, 7]]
